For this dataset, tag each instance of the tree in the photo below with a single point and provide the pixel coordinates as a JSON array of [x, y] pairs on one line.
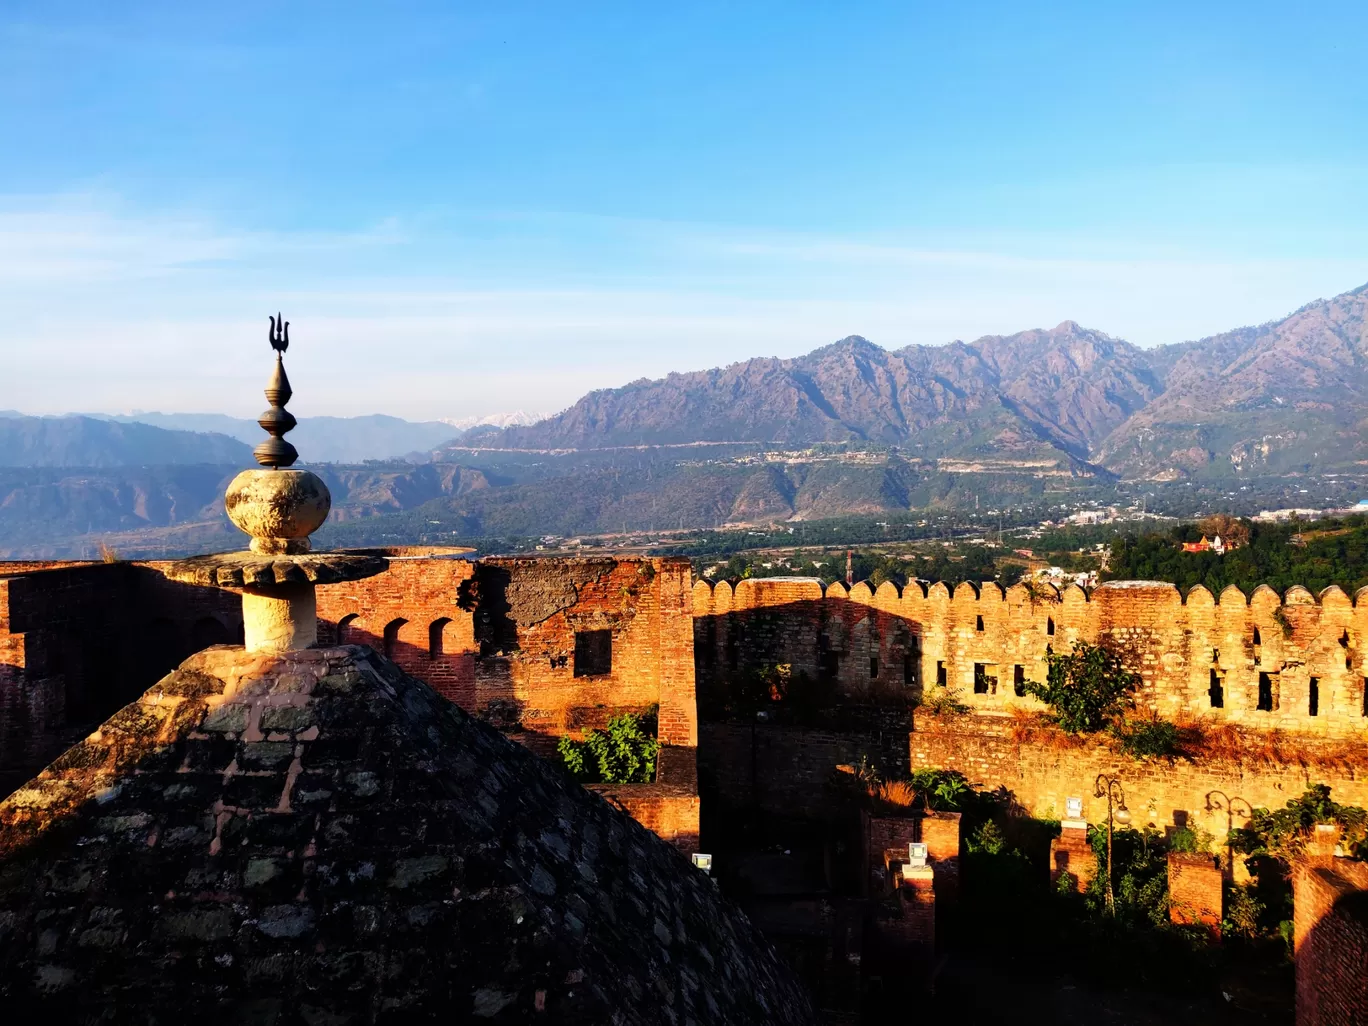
[[1086, 688], [1233, 532]]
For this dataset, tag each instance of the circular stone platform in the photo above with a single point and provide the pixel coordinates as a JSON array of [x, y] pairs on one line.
[[248, 569]]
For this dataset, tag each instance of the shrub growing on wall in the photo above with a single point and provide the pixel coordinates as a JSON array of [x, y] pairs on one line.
[[1086, 688], [624, 753]]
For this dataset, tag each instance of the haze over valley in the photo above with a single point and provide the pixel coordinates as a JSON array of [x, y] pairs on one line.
[[1025, 421]]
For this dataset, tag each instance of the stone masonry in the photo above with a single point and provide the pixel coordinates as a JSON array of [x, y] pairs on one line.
[[318, 837]]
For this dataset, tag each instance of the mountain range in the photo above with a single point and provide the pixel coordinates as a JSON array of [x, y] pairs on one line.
[[1284, 396], [1022, 422]]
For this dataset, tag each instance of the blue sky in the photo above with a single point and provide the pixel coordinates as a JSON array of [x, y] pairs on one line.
[[469, 209]]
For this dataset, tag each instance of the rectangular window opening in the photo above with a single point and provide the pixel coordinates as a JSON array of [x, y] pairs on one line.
[[909, 670], [981, 679], [873, 667], [1216, 691], [978, 623], [593, 653], [1267, 699], [941, 677], [1313, 698], [1019, 681]]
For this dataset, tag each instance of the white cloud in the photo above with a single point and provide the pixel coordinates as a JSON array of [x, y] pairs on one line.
[[106, 309]]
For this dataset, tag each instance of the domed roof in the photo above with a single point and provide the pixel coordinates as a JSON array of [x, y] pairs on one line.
[[317, 837]]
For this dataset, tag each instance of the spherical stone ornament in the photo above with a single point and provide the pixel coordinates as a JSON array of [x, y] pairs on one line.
[[278, 508]]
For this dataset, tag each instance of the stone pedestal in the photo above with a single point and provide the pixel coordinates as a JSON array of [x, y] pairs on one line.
[[1195, 891], [1071, 856], [279, 611], [283, 618]]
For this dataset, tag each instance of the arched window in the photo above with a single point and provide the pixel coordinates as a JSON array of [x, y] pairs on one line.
[[392, 630], [344, 629], [1049, 626], [435, 630]]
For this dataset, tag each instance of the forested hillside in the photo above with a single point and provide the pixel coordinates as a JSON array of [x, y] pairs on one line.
[[1279, 555]]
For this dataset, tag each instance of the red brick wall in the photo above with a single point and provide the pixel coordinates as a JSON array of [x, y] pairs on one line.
[[521, 673], [1195, 891], [791, 771], [671, 812], [1330, 921]]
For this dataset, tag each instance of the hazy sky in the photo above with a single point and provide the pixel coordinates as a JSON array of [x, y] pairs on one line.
[[475, 208]]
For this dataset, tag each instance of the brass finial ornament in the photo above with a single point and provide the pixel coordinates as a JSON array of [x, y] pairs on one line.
[[279, 508], [275, 451]]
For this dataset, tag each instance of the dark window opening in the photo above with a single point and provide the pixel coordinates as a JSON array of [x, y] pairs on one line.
[[436, 641], [1019, 681], [909, 670], [593, 653], [1215, 655], [345, 629], [983, 683], [392, 630], [1267, 702], [873, 667], [207, 631], [1049, 626], [978, 623], [1216, 691], [941, 678], [1313, 698], [830, 663], [1258, 646]]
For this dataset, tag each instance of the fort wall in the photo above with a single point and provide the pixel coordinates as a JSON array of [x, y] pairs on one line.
[[1293, 663]]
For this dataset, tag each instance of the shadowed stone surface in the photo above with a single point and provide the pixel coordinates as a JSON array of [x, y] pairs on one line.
[[318, 838], [239, 569]]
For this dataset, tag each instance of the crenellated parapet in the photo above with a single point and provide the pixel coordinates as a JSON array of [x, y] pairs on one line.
[[1293, 662]]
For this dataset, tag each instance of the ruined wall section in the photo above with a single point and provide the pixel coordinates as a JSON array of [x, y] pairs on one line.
[[79, 640], [1294, 663], [501, 637]]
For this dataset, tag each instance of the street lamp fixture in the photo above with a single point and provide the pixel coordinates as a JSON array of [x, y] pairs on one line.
[[1219, 801], [1110, 789]]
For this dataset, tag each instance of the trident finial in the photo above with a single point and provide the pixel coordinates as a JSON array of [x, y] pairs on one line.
[[275, 451], [279, 333]]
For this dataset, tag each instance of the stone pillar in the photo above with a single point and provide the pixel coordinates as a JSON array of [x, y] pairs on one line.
[[1072, 856], [917, 897], [1195, 891], [940, 832], [279, 618]]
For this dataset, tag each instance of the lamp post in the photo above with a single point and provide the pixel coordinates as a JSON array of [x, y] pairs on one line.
[[1217, 801], [1110, 788]]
